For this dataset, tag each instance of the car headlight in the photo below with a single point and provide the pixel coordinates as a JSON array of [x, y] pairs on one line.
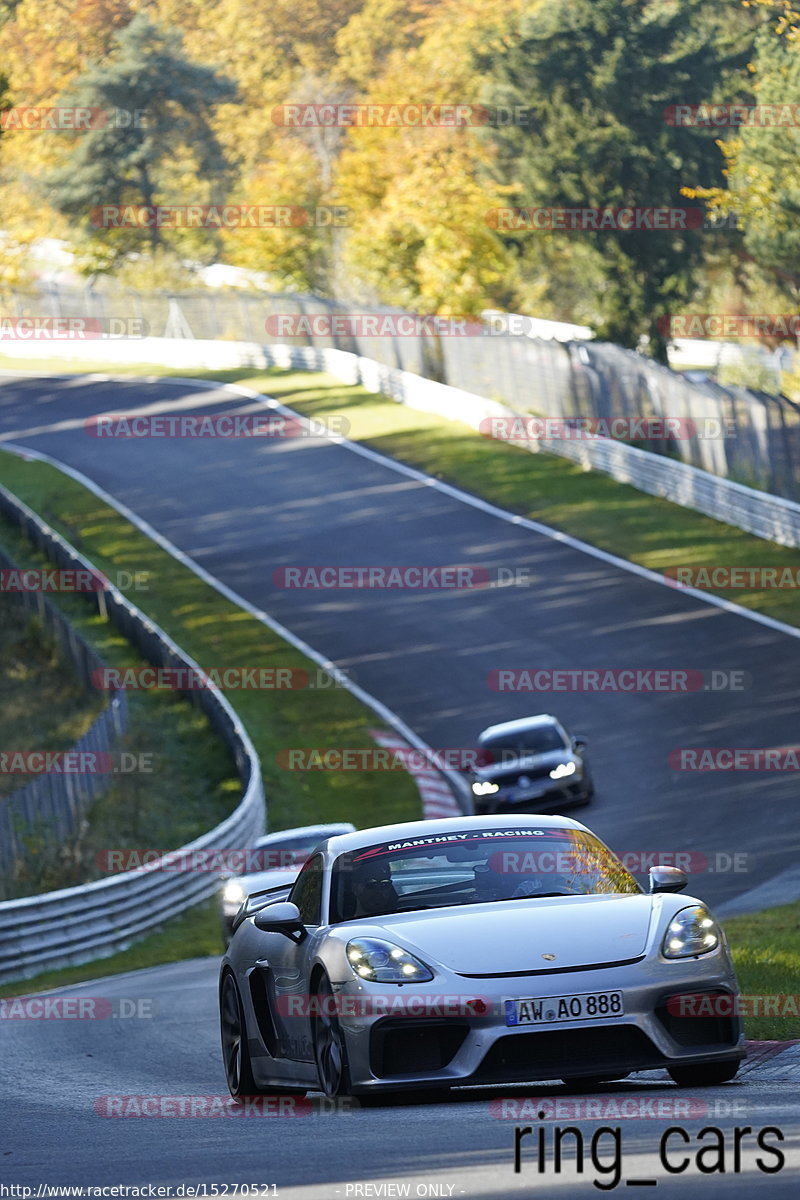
[[692, 931], [484, 787], [383, 962], [233, 893], [563, 770]]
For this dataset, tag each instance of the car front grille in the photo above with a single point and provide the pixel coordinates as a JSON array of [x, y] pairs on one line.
[[611, 1050], [513, 777]]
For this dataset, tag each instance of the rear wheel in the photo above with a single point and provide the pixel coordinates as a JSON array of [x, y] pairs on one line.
[[235, 1055], [704, 1075], [330, 1051]]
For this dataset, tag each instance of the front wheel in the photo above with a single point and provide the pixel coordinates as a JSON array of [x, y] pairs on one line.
[[704, 1075], [235, 1054], [330, 1051]]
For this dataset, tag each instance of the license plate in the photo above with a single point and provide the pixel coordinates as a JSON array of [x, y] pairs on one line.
[[530, 792], [587, 1006]]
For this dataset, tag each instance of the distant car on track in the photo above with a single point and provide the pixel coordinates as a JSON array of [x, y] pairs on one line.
[[474, 950], [530, 762], [280, 856]]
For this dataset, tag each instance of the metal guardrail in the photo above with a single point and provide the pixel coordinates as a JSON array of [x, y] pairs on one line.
[[93, 920], [54, 806]]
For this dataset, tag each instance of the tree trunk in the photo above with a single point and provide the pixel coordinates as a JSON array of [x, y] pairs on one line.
[[147, 198]]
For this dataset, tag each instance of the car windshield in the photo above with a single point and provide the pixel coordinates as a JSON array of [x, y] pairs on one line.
[[509, 746], [474, 867]]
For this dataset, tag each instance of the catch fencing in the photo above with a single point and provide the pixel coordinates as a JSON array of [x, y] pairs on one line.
[[78, 924]]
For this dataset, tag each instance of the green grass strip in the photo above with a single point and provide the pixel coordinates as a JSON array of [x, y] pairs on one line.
[[217, 634]]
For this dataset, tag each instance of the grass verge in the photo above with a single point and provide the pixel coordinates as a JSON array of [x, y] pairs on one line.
[[766, 953], [219, 635]]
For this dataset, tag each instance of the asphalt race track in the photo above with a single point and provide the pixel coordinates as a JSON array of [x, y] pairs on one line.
[[242, 509]]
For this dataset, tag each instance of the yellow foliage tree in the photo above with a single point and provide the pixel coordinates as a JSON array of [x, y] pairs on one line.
[[421, 195]]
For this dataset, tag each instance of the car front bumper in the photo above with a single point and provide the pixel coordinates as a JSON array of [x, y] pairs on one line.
[[443, 1042], [542, 795]]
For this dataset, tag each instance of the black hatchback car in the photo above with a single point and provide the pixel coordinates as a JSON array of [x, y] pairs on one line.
[[530, 764]]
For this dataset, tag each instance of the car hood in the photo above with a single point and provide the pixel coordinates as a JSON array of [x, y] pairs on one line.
[[512, 936]]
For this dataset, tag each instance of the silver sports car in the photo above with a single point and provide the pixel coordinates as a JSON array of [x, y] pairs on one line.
[[474, 950]]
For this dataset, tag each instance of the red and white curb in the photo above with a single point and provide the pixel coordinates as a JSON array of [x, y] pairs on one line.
[[778, 1062], [436, 794]]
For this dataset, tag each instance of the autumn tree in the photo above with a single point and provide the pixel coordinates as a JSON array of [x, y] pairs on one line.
[[761, 163], [420, 195], [44, 44], [157, 147], [594, 79], [47, 43]]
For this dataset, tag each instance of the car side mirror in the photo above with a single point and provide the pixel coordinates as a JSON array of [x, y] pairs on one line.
[[667, 879], [578, 742], [283, 917]]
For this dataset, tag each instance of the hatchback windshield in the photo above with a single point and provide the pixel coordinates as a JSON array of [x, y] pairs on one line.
[[290, 851], [473, 867], [539, 740]]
